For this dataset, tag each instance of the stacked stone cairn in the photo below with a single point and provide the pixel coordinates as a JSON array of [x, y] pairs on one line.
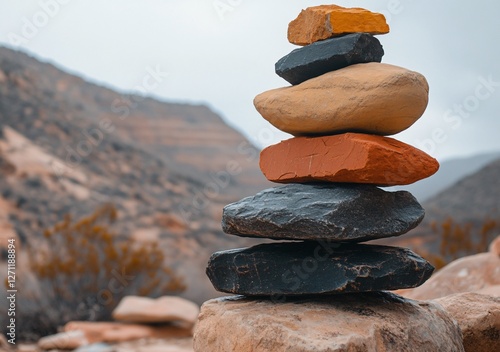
[[341, 106]]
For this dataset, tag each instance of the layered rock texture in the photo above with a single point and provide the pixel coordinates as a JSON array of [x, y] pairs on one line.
[[304, 292]]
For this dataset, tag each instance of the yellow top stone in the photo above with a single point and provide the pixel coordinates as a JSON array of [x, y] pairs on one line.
[[326, 21]]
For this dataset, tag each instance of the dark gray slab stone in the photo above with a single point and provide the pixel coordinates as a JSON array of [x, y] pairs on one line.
[[337, 212], [329, 55], [315, 268]]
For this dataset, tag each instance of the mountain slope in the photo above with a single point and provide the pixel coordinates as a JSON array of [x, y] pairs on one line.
[[472, 198], [470, 202], [450, 171], [67, 146]]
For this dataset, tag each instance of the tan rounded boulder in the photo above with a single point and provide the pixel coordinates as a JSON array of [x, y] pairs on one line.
[[372, 98], [355, 322], [63, 341], [348, 157], [112, 332], [478, 317], [476, 273], [326, 21], [135, 309], [494, 247]]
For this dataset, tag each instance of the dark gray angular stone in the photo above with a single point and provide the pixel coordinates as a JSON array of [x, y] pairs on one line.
[[337, 212], [313, 268], [329, 55]]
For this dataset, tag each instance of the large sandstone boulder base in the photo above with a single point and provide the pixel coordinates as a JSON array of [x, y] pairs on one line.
[[315, 268], [475, 273], [166, 309], [347, 157], [334, 212], [326, 21], [342, 323], [329, 55], [373, 98], [478, 317]]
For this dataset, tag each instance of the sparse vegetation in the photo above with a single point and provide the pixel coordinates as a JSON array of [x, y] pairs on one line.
[[459, 240], [83, 270]]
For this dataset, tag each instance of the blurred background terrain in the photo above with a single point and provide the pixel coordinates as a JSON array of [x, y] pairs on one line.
[[116, 125]]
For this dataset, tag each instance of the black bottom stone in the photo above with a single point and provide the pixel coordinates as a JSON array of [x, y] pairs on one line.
[[315, 268], [329, 55]]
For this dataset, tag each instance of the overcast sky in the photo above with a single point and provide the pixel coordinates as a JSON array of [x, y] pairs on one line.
[[222, 53]]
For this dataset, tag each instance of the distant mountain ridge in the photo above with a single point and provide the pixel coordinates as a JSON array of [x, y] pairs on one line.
[[472, 198], [66, 147], [450, 172], [472, 201]]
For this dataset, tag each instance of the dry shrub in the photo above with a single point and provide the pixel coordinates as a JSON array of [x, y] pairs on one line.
[[460, 240], [83, 270]]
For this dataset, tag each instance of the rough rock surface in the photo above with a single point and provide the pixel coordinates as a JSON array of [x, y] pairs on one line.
[[374, 98], [347, 157], [134, 309], [326, 21], [329, 55], [112, 332], [478, 317], [336, 212], [475, 273], [305, 268], [341, 323]]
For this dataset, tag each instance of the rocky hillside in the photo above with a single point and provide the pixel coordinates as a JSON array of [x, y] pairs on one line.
[[450, 172], [67, 146], [470, 204], [471, 199]]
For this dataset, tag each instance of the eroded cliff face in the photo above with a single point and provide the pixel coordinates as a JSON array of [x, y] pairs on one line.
[[67, 146]]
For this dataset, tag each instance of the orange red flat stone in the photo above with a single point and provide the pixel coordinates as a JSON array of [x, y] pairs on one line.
[[348, 157], [327, 21]]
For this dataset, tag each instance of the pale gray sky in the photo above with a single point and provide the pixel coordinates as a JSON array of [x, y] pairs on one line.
[[225, 57]]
